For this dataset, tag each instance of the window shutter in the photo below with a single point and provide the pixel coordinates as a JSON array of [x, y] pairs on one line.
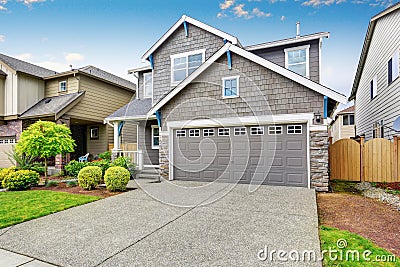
[[372, 88], [390, 71], [395, 65]]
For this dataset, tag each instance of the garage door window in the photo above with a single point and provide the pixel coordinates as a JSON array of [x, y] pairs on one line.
[[224, 132], [294, 129], [257, 130], [274, 130], [240, 131], [208, 132], [194, 133], [181, 133], [7, 140]]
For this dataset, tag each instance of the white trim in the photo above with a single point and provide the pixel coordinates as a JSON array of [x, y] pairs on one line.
[[138, 69], [171, 153], [59, 86], [303, 47], [249, 120], [194, 22], [130, 118], [237, 77], [309, 155], [288, 41], [319, 59], [186, 55], [153, 146], [294, 129], [259, 60], [144, 84]]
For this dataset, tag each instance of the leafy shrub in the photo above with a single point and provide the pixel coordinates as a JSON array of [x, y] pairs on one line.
[[52, 183], [21, 180], [103, 164], [89, 177], [4, 173], [116, 178], [105, 155], [72, 183], [124, 162], [37, 167], [73, 167]]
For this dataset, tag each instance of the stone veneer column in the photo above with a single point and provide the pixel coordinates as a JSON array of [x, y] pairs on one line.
[[164, 154], [11, 128], [61, 161], [319, 157]]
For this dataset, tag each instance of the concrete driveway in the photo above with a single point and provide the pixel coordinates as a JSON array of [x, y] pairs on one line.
[[205, 226]]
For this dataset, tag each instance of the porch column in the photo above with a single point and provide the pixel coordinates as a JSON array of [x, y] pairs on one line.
[[116, 150], [61, 161]]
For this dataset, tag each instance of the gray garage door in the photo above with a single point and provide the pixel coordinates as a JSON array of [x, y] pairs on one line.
[[267, 154]]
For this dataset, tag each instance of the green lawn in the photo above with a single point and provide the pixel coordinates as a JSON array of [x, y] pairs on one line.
[[21, 206], [329, 239]]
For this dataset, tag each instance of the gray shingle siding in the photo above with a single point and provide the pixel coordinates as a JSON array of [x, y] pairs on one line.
[[277, 56], [178, 43], [258, 86]]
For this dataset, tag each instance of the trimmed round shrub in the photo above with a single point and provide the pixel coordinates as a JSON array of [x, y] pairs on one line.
[[89, 177], [116, 178], [5, 172], [21, 180]]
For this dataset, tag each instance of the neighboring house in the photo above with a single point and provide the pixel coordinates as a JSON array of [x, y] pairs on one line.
[[376, 86], [209, 109], [343, 125], [80, 98]]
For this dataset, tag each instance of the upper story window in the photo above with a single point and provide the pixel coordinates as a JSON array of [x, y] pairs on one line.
[[393, 67], [378, 130], [182, 65], [62, 86], [230, 86], [297, 60], [147, 85], [374, 87], [348, 119]]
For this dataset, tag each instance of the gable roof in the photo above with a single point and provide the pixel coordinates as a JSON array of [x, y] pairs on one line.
[[288, 41], [99, 74], [53, 106], [25, 67], [135, 109], [194, 22], [366, 45], [347, 110], [259, 60]]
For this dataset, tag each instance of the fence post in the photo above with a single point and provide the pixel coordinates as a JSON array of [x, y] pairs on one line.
[[395, 164], [362, 178], [329, 152]]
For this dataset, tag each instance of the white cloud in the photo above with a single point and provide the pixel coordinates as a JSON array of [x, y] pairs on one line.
[[227, 4], [30, 2], [3, 8], [24, 56], [283, 18], [240, 12], [221, 15], [260, 13], [73, 57], [2, 38], [316, 3]]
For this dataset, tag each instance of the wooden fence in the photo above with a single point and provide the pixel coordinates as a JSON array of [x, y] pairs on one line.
[[376, 160]]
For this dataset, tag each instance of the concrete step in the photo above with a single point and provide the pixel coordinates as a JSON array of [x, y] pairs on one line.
[[148, 176], [149, 171]]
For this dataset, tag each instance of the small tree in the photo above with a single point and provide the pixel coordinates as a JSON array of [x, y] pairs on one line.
[[45, 139]]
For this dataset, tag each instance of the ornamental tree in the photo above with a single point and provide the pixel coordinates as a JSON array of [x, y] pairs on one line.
[[45, 139]]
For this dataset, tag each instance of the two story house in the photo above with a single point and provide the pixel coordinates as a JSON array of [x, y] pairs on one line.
[[343, 125], [79, 98], [209, 109], [376, 86]]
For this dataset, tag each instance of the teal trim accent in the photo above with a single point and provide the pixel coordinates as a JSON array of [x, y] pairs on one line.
[[158, 115], [325, 107], [186, 28], [228, 54], [225, 41], [151, 59], [120, 126]]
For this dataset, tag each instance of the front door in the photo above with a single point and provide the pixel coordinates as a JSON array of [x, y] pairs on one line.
[[79, 135]]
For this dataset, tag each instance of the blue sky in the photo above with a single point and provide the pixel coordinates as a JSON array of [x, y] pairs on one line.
[[113, 35]]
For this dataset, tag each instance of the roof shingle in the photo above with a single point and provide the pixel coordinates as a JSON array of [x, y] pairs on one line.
[[25, 67]]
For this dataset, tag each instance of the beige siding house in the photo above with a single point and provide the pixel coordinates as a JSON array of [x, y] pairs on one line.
[[376, 87], [81, 99], [343, 125]]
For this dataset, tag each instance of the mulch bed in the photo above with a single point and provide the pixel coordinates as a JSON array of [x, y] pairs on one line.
[[390, 186], [364, 216], [62, 187]]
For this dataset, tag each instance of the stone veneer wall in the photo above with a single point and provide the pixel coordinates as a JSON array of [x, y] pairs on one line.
[[164, 154], [319, 158], [11, 128]]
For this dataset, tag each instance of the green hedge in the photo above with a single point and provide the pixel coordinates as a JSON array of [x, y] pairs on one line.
[[89, 177], [4, 173], [21, 180], [116, 178], [73, 167]]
